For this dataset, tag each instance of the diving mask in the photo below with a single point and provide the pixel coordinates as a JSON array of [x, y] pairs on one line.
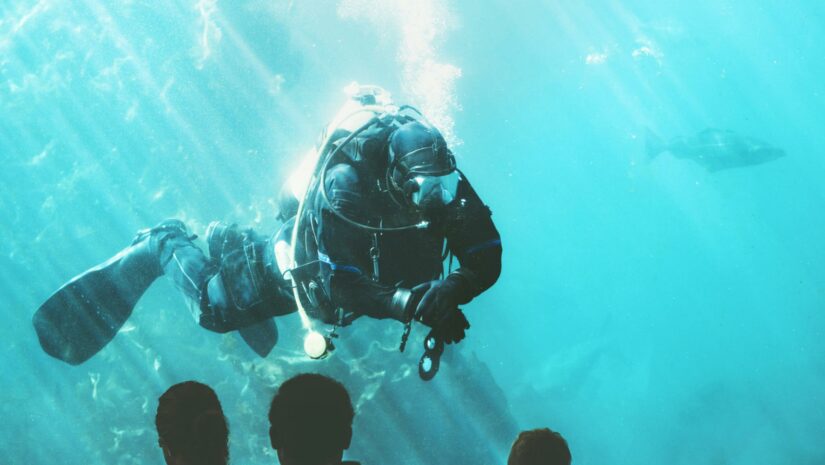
[[432, 191]]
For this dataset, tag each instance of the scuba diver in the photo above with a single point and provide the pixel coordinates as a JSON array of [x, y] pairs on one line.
[[366, 233]]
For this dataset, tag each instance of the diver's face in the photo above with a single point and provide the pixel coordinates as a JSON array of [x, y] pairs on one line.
[[432, 193]]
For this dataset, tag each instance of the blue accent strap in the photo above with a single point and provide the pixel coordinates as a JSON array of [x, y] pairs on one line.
[[336, 267], [482, 246]]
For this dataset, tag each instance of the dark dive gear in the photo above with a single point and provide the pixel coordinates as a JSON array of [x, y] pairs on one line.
[[382, 209], [233, 289], [247, 288], [260, 337], [81, 317], [432, 192], [430, 362], [439, 298], [242, 291], [421, 169], [385, 117], [450, 330], [382, 199], [453, 327]]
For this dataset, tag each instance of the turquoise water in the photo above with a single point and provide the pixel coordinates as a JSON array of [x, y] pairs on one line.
[[649, 310]]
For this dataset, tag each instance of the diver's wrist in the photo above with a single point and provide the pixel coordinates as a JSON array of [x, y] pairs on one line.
[[400, 305]]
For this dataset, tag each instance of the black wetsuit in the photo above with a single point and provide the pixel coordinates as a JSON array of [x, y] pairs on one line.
[[405, 258]]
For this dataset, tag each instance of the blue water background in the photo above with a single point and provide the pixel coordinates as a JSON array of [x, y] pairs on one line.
[[649, 310]]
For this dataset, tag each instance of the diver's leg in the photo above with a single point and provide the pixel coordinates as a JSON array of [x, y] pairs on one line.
[[187, 267], [241, 295]]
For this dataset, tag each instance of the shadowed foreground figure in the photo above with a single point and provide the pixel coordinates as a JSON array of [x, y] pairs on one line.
[[539, 447], [311, 421], [191, 427]]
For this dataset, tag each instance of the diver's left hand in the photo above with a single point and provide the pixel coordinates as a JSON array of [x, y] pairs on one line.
[[440, 299]]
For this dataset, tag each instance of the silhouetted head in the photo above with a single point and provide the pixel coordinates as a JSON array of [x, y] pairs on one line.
[[191, 427], [310, 421], [539, 447], [421, 170]]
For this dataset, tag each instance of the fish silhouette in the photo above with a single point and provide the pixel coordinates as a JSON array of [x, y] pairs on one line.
[[715, 149]]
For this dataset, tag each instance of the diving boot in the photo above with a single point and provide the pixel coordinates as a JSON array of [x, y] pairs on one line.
[[83, 315]]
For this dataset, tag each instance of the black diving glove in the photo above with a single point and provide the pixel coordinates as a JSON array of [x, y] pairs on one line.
[[439, 299], [453, 327], [435, 302]]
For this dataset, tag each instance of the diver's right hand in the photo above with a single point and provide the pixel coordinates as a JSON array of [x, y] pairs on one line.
[[436, 300], [452, 328]]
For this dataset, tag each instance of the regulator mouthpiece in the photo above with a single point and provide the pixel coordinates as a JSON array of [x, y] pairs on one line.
[[316, 345]]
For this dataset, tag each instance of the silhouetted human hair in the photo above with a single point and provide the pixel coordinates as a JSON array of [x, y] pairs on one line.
[[539, 447], [191, 427], [310, 420]]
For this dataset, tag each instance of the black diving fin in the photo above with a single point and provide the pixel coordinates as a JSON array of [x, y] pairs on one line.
[[86, 313], [261, 337]]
